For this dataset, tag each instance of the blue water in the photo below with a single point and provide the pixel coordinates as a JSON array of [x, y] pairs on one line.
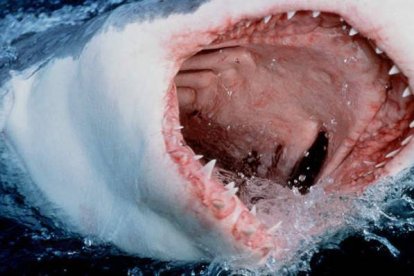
[[31, 243]]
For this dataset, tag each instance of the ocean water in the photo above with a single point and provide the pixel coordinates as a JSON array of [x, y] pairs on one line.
[[378, 239]]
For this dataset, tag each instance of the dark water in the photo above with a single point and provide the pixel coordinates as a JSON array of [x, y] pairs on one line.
[[31, 243]]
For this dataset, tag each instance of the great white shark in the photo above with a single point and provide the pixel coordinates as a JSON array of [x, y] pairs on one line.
[[145, 129]]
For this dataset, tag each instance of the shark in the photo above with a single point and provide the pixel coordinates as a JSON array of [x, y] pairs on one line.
[[163, 126]]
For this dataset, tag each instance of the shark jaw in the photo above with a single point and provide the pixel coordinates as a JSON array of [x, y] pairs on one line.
[[116, 161], [219, 144]]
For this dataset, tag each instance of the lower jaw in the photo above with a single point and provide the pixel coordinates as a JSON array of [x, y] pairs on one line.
[[367, 151]]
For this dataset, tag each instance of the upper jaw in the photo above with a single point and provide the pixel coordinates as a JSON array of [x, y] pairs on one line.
[[391, 23]]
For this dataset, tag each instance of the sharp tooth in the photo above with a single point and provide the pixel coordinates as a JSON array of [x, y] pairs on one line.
[[382, 164], [366, 162], [232, 192], [176, 141], [231, 189], [253, 211], [290, 14], [315, 14], [267, 19], [406, 93], [198, 157], [248, 23], [378, 51], [230, 186], [353, 32], [208, 168], [406, 140], [394, 70], [178, 127], [392, 154], [412, 124], [274, 227], [366, 174]]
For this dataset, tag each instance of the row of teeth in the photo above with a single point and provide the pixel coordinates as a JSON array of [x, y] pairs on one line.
[[395, 152], [352, 32], [391, 154], [407, 91], [290, 15], [231, 191], [393, 71]]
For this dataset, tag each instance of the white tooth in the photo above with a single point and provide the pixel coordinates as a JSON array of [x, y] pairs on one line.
[[316, 14], [208, 168], [382, 164], [353, 32], [394, 70], [230, 186], [248, 23], [198, 157], [406, 92], [412, 124], [392, 154], [290, 14], [378, 51], [232, 192], [231, 189], [178, 127], [406, 140], [267, 19], [274, 227], [368, 173], [253, 211]]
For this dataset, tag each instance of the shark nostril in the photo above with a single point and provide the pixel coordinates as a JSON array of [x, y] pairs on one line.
[[309, 167]]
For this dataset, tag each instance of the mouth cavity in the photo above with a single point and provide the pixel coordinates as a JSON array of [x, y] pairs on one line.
[[291, 99]]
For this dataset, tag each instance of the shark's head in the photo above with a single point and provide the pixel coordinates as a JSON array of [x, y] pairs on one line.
[[166, 133]]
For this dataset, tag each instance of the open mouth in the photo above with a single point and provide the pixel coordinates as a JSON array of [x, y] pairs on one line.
[[292, 99]]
